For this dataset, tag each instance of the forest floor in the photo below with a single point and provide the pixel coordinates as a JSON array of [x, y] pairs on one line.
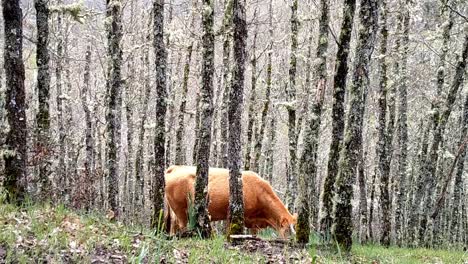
[[46, 234]]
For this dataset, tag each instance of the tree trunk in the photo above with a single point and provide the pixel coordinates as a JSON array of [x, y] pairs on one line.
[[113, 109], [341, 71], [342, 209], [15, 156], [89, 139], [291, 94], [363, 234], [386, 128], [42, 148], [227, 37], [161, 109], [206, 115], [252, 101], [180, 151], [400, 214], [139, 193], [456, 226], [236, 202], [308, 164]]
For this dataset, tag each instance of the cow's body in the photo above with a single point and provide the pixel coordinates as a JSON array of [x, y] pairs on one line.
[[262, 207]]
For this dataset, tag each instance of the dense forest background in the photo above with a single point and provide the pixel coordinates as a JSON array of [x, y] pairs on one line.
[[395, 108]]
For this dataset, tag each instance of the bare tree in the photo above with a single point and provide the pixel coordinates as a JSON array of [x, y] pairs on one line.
[[161, 108], [113, 107], [42, 147], [206, 115], [15, 156], [236, 198]]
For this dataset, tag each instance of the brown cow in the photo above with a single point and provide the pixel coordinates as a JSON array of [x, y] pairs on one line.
[[262, 207]]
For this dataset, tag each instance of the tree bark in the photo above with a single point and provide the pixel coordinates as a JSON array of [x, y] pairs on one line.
[[400, 214], [161, 109], [89, 139], [342, 209], [15, 156], [456, 225], [308, 163], [139, 190], [227, 38], [252, 101], [236, 201], [341, 71], [291, 94], [206, 115], [113, 109], [42, 148]]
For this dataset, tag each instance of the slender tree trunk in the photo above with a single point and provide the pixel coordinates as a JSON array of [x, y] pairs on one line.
[[400, 215], [341, 71], [139, 194], [113, 109], [15, 156], [227, 38], [161, 109], [291, 94], [206, 115], [456, 225], [308, 164], [252, 102], [61, 169], [342, 210], [180, 151], [89, 139], [236, 201], [260, 133], [363, 234], [42, 147], [269, 153], [381, 168]]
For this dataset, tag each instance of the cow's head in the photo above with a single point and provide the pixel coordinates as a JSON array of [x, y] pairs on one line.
[[287, 226]]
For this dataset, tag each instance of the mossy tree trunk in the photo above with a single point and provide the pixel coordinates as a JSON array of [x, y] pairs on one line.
[[252, 101], [16, 138], [291, 108], [227, 43], [161, 109], [114, 7], [138, 190], [308, 163], [236, 201], [386, 125], [341, 72], [206, 115], [401, 185], [342, 227], [89, 139], [456, 225], [43, 147]]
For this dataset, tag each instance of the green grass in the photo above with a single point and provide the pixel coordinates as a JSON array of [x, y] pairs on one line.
[[38, 233]]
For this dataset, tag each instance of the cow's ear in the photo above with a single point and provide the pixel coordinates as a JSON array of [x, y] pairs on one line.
[[284, 222], [295, 218]]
